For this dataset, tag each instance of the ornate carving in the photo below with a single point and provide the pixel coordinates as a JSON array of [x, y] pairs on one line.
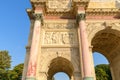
[[47, 38], [59, 37], [59, 25], [55, 38], [102, 11], [38, 16], [58, 5], [80, 17], [67, 38]]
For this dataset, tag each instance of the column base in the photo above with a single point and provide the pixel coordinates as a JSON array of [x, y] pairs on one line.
[[30, 78], [88, 78]]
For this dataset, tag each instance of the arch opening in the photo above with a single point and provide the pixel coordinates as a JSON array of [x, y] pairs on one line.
[[99, 58], [60, 64], [102, 67], [61, 75], [107, 43]]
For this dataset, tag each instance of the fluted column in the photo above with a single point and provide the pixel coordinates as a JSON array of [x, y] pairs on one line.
[[86, 57], [31, 71]]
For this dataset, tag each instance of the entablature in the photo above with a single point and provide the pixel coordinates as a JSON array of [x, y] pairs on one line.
[[68, 9], [57, 7]]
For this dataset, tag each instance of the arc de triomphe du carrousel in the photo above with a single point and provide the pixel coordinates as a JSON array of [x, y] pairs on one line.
[[65, 33]]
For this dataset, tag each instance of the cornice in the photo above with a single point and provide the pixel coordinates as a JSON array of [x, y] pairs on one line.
[[103, 11], [30, 11], [33, 15], [72, 12], [51, 11]]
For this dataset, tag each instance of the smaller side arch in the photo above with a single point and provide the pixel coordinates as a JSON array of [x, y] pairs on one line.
[[60, 64]]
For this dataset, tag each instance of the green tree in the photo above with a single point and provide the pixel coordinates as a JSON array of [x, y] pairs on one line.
[[12, 75], [103, 72], [5, 60], [18, 69], [5, 64]]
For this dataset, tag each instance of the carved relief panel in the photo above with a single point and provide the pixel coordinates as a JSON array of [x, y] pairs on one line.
[[59, 38], [59, 34]]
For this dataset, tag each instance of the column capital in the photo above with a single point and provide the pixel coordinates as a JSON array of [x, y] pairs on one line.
[[38, 16], [28, 49], [79, 17]]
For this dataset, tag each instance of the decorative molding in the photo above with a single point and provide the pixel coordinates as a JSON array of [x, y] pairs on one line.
[[102, 11], [51, 8], [56, 25]]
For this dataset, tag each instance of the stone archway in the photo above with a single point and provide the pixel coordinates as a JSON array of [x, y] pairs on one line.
[[60, 65], [59, 30], [107, 42]]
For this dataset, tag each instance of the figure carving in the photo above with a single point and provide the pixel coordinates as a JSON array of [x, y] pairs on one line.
[[55, 37], [59, 38], [58, 4], [67, 38], [47, 38]]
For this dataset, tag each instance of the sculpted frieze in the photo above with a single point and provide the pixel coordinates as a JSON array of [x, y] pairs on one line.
[[59, 37]]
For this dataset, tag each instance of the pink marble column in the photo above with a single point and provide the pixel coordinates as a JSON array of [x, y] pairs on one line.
[[86, 58], [31, 72]]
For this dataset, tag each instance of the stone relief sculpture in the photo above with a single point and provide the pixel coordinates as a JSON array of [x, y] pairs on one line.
[[67, 38], [47, 38], [54, 37], [60, 5], [59, 38]]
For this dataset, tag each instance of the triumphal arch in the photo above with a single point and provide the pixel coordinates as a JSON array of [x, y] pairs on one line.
[[65, 33]]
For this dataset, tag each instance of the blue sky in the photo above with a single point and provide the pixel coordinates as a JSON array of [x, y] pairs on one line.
[[14, 30]]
